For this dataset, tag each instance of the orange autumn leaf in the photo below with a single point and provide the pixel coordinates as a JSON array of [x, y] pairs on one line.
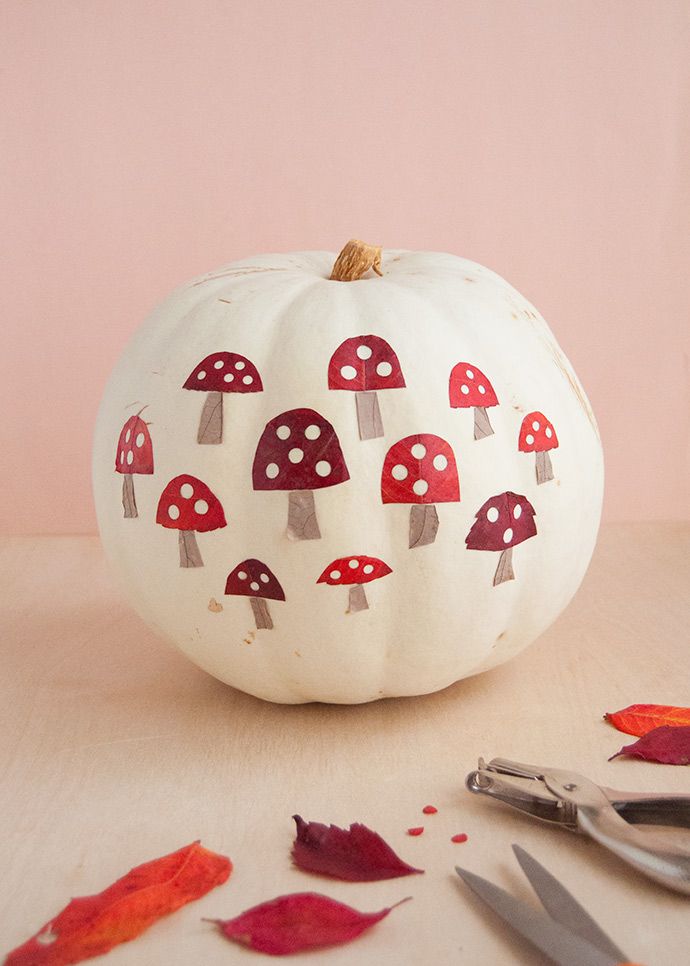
[[638, 719], [91, 925]]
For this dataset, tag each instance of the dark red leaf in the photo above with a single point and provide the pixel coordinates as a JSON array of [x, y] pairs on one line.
[[303, 920], [92, 925], [356, 854], [668, 744], [638, 719], [417, 830]]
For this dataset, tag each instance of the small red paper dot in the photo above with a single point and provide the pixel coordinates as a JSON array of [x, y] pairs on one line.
[[430, 810], [415, 831], [462, 837]]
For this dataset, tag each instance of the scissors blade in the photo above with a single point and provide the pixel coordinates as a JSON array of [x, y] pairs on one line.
[[562, 946], [564, 907]]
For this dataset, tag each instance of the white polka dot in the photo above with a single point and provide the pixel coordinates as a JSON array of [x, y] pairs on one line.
[[465, 390], [128, 435], [264, 578], [228, 377], [440, 462], [253, 585], [130, 458], [201, 374], [219, 364], [313, 431], [296, 455], [201, 507], [481, 389], [399, 472], [420, 487], [242, 575], [529, 439], [139, 440], [507, 535], [363, 352], [283, 432], [186, 490], [353, 564], [549, 432], [348, 372], [240, 365], [469, 373], [323, 468], [368, 568], [517, 511], [173, 512], [272, 470], [335, 575], [418, 451], [122, 456], [384, 369], [535, 425], [248, 380], [492, 514]]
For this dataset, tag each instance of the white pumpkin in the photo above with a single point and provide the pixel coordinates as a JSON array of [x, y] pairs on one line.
[[384, 484]]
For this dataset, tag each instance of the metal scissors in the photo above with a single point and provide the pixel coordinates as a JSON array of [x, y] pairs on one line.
[[565, 932], [606, 815]]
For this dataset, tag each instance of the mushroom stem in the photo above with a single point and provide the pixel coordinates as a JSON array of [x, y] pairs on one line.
[[262, 615], [128, 500], [504, 571], [189, 550], [423, 524], [302, 521], [355, 260], [368, 415], [482, 426], [357, 599], [211, 422], [544, 467]]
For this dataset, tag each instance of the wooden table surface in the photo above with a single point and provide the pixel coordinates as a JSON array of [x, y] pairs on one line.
[[115, 749]]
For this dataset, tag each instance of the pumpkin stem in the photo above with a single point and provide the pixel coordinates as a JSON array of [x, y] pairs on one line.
[[355, 260]]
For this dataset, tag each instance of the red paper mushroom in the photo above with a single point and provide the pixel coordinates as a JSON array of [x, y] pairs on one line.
[[502, 523], [216, 374], [188, 505], [255, 580], [134, 455], [537, 435], [299, 451], [420, 470], [470, 389], [353, 572], [363, 365]]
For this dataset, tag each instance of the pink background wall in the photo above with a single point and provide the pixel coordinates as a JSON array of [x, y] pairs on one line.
[[145, 142]]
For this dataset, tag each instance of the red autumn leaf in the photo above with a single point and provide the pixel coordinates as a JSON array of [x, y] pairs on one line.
[[303, 920], [356, 854], [459, 838], [668, 745], [91, 925], [417, 830], [638, 719], [430, 810]]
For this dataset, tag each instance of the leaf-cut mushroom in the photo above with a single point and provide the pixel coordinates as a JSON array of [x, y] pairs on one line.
[[188, 505], [354, 572], [364, 365], [252, 578], [299, 452], [134, 454], [421, 470], [502, 523], [219, 373], [537, 436], [470, 389]]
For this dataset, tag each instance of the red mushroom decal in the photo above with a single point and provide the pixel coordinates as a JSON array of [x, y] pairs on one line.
[[502, 523], [421, 470], [363, 365], [353, 572], [537, 435], [188, 505], [299, 452], [134, 455], [470, 389], [255, 580], [219, 373]]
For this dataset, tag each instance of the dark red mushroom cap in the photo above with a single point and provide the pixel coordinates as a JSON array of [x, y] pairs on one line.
[[420, 469], [225, 372], [252, 578], [134, 448], [188, 504], [298, 450], [469, 387], [354, 570], [363, 363], [537, 434], [503, 521]]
